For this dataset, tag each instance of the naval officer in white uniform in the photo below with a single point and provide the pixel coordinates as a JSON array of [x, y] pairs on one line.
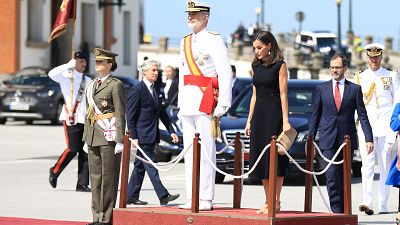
[[379, 86], [205, 77]]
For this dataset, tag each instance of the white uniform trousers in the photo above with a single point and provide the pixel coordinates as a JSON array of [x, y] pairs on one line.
[[200, 124], [382, 152]]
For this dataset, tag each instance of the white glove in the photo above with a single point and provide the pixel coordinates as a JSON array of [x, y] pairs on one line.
[[71, 64], [118, 148], [85, 147], [220, 110]]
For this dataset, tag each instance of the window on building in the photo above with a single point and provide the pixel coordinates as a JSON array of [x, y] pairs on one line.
[[88, 24], [127, 38], [35, 20]]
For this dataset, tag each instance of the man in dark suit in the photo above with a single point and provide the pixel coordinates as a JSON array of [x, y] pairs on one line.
[[335, 104], [143, 113]]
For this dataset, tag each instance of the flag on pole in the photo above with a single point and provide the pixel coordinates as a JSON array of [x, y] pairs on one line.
[[67, 11]]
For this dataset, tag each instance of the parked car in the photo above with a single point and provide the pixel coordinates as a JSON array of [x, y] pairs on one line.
[[30, 95], [128, 82], [166, 148], [324, 42], [300, 100]]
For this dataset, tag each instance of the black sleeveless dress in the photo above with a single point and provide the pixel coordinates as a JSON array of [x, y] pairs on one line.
[[267, 119]]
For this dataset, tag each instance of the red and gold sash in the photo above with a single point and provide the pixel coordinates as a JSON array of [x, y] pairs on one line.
[[208, 85]]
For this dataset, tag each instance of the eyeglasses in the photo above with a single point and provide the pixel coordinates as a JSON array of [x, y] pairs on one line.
[[336, 67]]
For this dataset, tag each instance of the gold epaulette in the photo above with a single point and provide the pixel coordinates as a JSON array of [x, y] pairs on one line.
[[358, 72], [357, 76], [186, 35], [213, 33]]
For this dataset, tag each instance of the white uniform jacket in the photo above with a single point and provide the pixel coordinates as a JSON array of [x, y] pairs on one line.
[[62, 75], [211, 56], [380, 106]]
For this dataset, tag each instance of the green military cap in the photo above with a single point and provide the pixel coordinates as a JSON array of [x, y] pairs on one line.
[[374, 49], [196, 6], [101, 54]]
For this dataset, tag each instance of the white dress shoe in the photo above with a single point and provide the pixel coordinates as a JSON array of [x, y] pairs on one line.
[[205, 205], [187, 205]]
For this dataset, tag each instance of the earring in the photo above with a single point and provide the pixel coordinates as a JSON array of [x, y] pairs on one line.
[[269, 52]]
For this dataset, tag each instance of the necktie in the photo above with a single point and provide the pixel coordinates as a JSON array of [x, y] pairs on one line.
[[98, 83], [153, 93], [338, 100]]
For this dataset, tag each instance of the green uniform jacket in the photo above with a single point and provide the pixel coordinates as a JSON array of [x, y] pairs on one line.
[[109, 97]]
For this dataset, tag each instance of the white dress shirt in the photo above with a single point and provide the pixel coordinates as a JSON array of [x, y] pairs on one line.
[[167, 87], [148, 85]]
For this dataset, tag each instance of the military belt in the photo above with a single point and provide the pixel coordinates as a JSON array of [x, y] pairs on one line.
[[104, 116]]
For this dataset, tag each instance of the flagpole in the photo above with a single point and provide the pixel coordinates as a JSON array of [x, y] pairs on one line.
[[71, 110]]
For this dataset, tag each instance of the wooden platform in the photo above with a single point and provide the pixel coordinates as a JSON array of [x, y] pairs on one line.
[[172, 215]]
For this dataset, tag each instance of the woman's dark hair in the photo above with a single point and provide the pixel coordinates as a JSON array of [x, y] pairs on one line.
[[114, 64], [275, 55]]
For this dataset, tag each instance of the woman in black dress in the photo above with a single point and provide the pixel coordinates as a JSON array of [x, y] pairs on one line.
[[268, 114]]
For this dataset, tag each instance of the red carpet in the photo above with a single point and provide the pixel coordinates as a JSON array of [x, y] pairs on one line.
[[29, 221]]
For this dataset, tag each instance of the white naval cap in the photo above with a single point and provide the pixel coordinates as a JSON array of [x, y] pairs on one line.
[[374, 49], [196, 6]]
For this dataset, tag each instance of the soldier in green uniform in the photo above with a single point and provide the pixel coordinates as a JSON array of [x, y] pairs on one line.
[[104, 133]]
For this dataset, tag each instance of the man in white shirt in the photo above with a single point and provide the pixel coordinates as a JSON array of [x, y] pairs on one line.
[[205, 93], [73, 117], [379, 86]]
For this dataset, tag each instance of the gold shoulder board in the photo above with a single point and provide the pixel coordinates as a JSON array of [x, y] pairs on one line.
[[358, 72], [213, 33]]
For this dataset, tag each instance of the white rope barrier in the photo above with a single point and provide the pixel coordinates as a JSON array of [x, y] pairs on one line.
[[181, 155], [330, 162], [321, 194], [243, 175], [157, 165], [314, 174], [320, 153], [226, 147]]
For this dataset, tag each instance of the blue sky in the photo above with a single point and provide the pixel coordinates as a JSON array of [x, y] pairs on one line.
[[379, 18]]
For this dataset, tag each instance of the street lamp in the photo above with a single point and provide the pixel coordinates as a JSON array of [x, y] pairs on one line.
[[350, 33], [258, 13], [262, 13], [339, 40], [299, 17]]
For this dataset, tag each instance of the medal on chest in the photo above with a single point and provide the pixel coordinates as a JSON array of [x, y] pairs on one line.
[[387, 83], [104, 103]]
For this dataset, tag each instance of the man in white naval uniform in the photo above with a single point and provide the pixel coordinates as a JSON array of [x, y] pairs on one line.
[[379, 86], [204, 62], [73, 117]]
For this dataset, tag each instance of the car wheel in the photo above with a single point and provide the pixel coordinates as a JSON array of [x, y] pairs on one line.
[[3, 120], [219, 178], [356, 168], [55, 120], [162, 156]]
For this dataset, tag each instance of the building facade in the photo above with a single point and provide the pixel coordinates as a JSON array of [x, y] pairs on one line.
[[25, 26]]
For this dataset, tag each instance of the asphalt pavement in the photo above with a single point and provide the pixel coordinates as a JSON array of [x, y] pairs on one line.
[[27, 153]]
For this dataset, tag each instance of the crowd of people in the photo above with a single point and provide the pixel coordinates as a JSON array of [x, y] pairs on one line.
[[95, 115]]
